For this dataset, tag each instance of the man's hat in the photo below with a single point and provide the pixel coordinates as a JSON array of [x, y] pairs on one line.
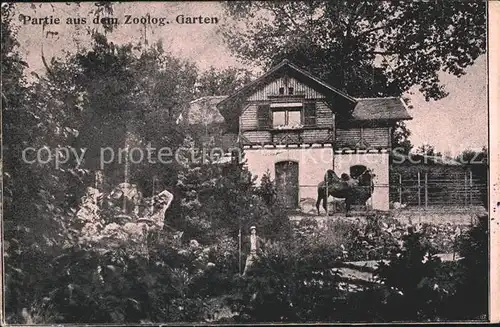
[[253, 227]]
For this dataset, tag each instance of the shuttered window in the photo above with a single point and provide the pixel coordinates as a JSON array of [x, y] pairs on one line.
[[310, 114], [263, 116]]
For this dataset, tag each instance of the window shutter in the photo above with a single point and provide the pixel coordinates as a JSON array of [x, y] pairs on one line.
[[263, 115], [310, 114]]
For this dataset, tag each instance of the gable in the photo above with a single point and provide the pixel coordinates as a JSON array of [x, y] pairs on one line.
[[231, 107], [285, 82], [284, 75]]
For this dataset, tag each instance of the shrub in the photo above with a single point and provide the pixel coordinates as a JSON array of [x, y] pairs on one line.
[[411, 278], [376, 239], [331, 240], [471, 300], [219, 200], [290, 284], [267, 190], [219, 280], [104, 285]]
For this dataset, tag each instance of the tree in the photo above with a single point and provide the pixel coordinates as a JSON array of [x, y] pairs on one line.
[[473, 157], [428, 150], [222, 82], [131, 95], [366, 48], [400, 141], [35, 115], [38, 196], [88, 99]]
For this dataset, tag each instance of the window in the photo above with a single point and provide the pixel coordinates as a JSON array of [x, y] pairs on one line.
[[263, 116], [281, 91], [294, 118], [310, 114], [290, 91], [287, 118], [279, 118]]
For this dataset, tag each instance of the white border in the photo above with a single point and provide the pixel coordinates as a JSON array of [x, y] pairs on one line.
[[494, 159]]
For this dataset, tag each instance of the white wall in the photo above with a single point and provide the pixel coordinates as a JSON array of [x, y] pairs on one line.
[[379, 164], [313, 164]]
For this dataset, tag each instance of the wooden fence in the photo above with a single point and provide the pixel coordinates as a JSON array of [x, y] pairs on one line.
[[425, 191], [430, 190]]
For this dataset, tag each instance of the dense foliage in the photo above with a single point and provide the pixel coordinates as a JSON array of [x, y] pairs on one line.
[[291, 283], [222, 82], [472, 289], [410, 284], [59, 270], [109, 272], [364, 48]]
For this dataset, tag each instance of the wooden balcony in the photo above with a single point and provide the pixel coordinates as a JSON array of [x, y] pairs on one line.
[[295, 136]]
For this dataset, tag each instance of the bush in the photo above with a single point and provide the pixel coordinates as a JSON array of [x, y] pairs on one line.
[[411, 279], [115, 285], [471, 300], [375, 239], [331, 240], [290, 284], [219, 280], [267, 190], [219, 200]]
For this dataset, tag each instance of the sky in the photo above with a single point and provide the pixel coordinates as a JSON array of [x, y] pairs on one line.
[[452, 124]]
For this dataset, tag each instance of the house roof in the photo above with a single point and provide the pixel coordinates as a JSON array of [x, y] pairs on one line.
[[390, 108], [358, 109], [231, 107], [284, 65], [366, 109]]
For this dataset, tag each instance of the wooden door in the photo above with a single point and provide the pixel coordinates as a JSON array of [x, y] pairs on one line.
[[287, 183]]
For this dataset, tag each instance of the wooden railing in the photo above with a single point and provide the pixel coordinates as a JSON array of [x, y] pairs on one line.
[[302, 135]]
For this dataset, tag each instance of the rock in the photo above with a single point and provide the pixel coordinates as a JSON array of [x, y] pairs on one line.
[[128, 193], [161, 203]]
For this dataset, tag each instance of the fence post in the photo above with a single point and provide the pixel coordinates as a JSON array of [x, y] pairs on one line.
[[465, 188], [426, 191], [470, 187], [418, 188], [400, 190], [326, 195], [99, 179]]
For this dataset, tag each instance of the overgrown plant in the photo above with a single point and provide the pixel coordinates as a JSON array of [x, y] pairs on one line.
[[411, 277], [471, 300], [289, 284]]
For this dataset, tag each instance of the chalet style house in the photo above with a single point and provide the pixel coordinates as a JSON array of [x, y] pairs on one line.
[[296, 126]]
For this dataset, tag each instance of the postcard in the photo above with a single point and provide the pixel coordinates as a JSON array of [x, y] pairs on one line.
[[249, 162]]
